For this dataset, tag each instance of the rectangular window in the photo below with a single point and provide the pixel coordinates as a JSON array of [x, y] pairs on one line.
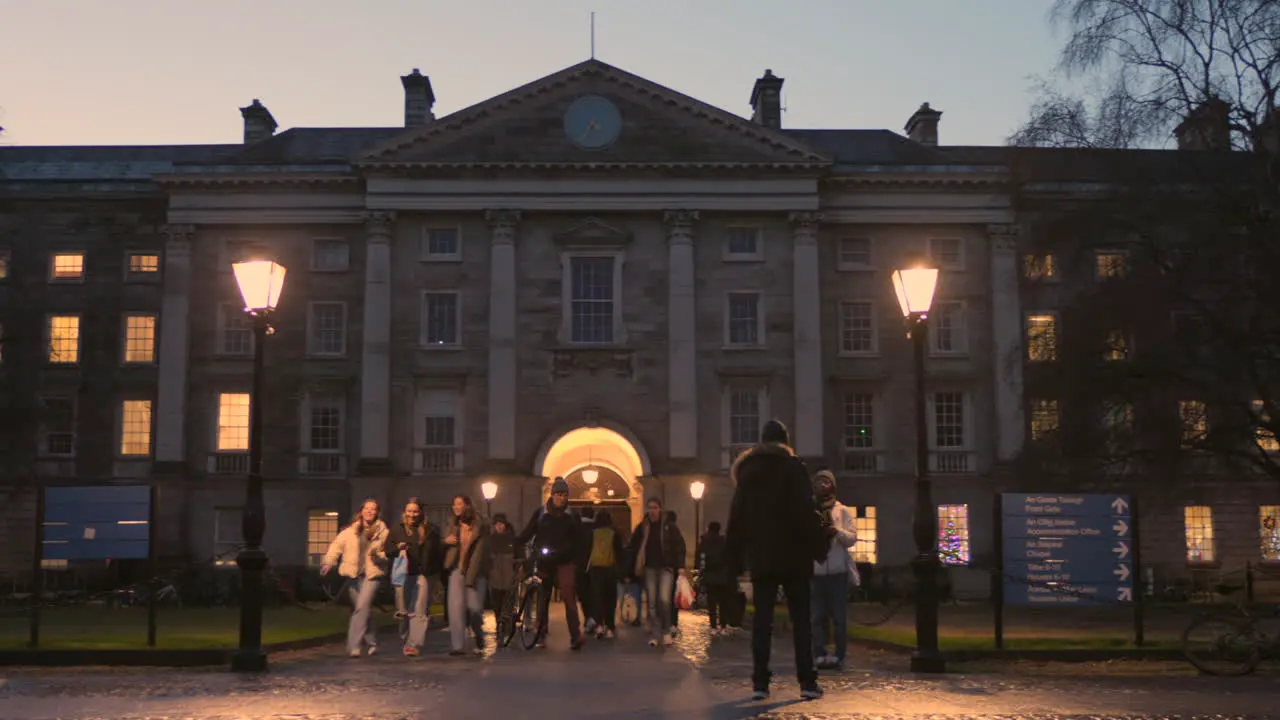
[[142, 265], [441, 243], [1194, 420], [439, 431], [64, 339], [1198, 530], [66, 267], [440, 319], [139, 338], [1110, 264], [953, 534], [1265, 432], [233, 423], [227, 535], [857, 328], [1117, 417], [591, 300], [947, 252], [1116, 346], [744, 417], [328, 334], [330, 255], [1042, 338], [1269, 532], [235, 330], [864, 523], [1039, 267], [135, 428], [322, 528], [855, 252], [1044, 419], [948, 420], [325, 425], [859, 421], [949, 331], [743, 242], [743, 319], [58, 426]]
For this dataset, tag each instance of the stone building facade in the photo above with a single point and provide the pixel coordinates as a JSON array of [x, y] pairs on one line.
[[587, 273]]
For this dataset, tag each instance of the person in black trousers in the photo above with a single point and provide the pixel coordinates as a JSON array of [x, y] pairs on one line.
[[775, 532], [675, 608], [716, 581]]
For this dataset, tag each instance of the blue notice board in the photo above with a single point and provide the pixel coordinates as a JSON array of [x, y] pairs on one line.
[[1072, 549], [96, 523]]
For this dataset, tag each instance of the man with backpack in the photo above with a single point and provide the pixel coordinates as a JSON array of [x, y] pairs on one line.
[[602, 573]]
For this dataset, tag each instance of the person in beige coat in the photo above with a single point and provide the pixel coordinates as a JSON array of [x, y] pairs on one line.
[[359, 556]]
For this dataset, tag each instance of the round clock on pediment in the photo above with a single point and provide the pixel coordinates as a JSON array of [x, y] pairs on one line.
[[592, 122]]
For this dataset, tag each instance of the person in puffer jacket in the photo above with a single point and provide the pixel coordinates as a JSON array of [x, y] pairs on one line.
[[831, 575]]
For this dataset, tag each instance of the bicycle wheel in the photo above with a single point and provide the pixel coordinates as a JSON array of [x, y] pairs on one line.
[[507, 619], [529, 619], [869, 612], [1228, 647]]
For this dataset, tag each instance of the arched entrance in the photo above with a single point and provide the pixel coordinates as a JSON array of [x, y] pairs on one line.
[[604, 465]]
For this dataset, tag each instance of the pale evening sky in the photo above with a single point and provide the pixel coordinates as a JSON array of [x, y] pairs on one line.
[[81, 72]]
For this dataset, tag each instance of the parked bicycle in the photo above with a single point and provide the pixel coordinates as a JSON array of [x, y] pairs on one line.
[[1231, 644]]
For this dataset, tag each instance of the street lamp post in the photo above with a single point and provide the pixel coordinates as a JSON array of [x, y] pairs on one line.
[[260, 282], [489, 489], [696, 489], [914, 284]]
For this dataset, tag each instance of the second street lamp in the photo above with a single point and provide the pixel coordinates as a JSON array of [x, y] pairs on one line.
[[696, 489], [260, 282], [914, 285], [489, 489]]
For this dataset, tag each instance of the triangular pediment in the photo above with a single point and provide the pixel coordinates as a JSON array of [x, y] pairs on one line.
[[659, 127], [593, 232]]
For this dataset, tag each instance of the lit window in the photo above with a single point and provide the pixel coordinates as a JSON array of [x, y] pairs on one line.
[[4, 264], [441, 243], [948, 419], [1265, 432], [52, 564], [328, 328], [440, 319], [743, 319], [743, 242], [1042, 338], [67, 266], [1194, 420], [330, 255], [1198, 531], [58, 426], [855, 252], [947, 252], [1044, 419], [233, 422], [322, 528], [1269, 532], [948, 330], [139, 338], [1110, 264], [135, 427], [864, 523], [227, 535], [235, 330], [1039, 267], [953, 534], [1116, 346], [143, 264], [64, 339], [857, 328]]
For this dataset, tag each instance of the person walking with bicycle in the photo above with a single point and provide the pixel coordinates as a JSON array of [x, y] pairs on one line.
[[502, 548], [833, 574], [656, 550], [557, 534], [358, 553], [467, 561], [418, 542], [602, 567]]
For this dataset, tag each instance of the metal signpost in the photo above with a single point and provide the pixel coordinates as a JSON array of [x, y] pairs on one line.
[[1068, 550]]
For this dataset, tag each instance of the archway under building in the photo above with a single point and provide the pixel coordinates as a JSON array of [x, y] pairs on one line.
[[605, 466]]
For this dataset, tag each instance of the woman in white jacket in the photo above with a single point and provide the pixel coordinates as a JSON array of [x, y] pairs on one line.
[[358, 553], [833, 575]]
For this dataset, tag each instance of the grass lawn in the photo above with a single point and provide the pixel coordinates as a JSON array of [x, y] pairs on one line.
[[100, 628], [1048, 639]]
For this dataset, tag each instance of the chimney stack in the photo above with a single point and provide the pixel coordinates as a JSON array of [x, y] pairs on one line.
[[922, 126], [258, 122], [766, 101], [418, 99], [1207, 127]]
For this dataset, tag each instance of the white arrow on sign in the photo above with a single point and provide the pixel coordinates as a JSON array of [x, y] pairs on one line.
[[1124, 594], [1120, 505], [1121, 527], [1121, 549], [1121, 572]]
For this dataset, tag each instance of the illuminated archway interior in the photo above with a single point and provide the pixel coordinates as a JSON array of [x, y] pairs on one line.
[[609, 453]]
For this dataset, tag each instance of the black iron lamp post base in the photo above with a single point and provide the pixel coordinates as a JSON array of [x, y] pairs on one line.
[[248, 661], [250, 656]]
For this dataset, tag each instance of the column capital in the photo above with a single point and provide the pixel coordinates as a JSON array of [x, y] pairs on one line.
[[378, 224], [804, 226], [178, 233], [1004, 236], [502, 226], [680, 225]]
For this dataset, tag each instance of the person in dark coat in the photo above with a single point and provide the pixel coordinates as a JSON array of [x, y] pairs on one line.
[[774, 531], [716, 581], [556, 531], [502, 573], [675, 607], [418, 542], [656, 549]]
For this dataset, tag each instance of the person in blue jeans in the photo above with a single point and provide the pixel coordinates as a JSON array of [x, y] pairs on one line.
[[656, 550], [831, 574]]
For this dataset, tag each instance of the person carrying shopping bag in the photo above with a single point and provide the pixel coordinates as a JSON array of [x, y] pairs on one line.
[[415, 549]]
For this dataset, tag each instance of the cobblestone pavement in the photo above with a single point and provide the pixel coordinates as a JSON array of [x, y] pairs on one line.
[[699, 678]]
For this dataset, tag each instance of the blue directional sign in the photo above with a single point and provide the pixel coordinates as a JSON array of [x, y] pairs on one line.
[[1067, 549], [95, 523]]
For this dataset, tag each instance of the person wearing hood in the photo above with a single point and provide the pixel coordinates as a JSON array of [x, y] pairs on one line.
[[831, 577], [557, 532], [467, 562], [774, 532], [502, 548]]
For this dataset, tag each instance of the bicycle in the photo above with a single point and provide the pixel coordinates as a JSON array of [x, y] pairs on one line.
[[520, 611], [1236, 641]]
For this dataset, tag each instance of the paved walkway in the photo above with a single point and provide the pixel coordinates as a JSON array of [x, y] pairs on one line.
[[698, 678]]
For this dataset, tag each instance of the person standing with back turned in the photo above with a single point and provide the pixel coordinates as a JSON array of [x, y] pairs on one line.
[[774, 531]]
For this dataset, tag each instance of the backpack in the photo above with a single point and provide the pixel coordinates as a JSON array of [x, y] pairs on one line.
[[602, 548]]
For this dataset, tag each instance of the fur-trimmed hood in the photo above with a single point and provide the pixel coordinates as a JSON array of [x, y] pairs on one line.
[[760, 449]]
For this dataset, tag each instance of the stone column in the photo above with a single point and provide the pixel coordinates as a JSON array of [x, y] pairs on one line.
[[682, 352], [375, 358], [807, 304], [1006, 335], [502, 333], [171, 400]]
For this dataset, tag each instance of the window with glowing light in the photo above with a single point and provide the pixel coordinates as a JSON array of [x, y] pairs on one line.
[[1042, 338], [322, 528], [1264, 434], [233, 423], [953, 534], [64, 339], [1110, 264], [1044, 419], [139, 338], [1198, 531], [66, 267], [1116, 346], [864, 523], [4, 264], [135, 428], [1194, 419], [142, 265], [1039, 267], [1269, 532]]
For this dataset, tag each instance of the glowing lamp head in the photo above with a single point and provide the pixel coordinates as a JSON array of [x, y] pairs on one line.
[[260, 282], [914, 284], [697, 488], [590, 475], [489, 489]]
